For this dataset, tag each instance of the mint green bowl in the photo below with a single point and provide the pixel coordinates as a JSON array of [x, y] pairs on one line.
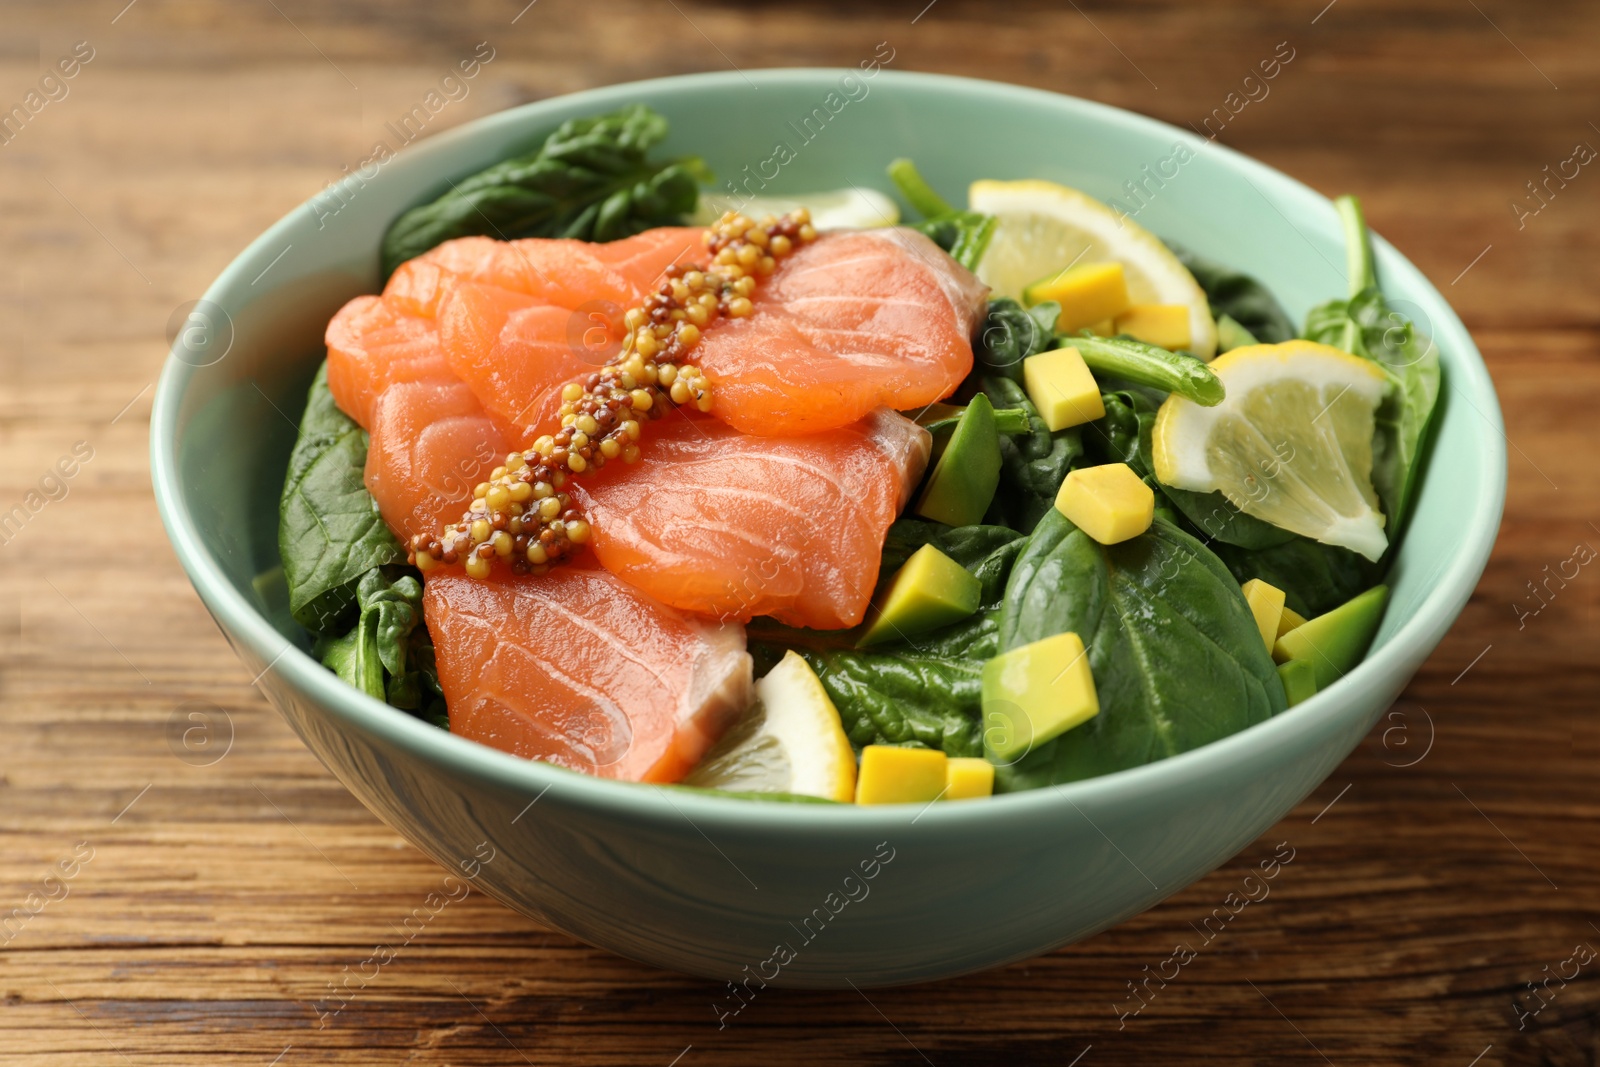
[[741, 891]]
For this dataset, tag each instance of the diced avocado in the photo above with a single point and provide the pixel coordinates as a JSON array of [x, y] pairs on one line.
[[1035, 693], [964, 480], [1088, 293], [1063, 388], [1299, 680], [1288, 621], [1163, 325], [1335, 642], [1110, 503], [1231, 335], [1266, 604], [967, 777], [893, 775], [930, 591]]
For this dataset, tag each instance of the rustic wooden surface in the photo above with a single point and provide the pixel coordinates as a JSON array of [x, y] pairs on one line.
[[1450, 862]]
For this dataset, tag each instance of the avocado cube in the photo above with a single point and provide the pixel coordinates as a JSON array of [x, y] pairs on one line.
[[1288, 621], [967, 777], [1110, 503], [893, 775], [1087, 293], [1334, 642], [1266, 604], [1061, 386], [1163, 325], [1034, 693], [930, 591], [968, 471], [1299, 680]]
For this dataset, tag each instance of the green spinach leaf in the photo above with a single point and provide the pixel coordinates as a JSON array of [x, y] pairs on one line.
[[1032, 465], [1011, 333], [1239, 297], [1177, 659], [329, 531], [1367, 325], [591, 179], [1313, 576], [924, 691]]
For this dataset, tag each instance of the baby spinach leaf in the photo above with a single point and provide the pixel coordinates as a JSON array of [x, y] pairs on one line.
[[1313, 576], [926, 690], [329, 531], [1011, 333], [1367, 325], [896, 697], [1032, 465], [375, 655], [1177, 659], [1238, 296], [591, 179]]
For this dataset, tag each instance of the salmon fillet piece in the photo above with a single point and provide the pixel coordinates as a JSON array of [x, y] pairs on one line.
[[579, 669], [374, 343], [431, 442], [515, 350], [732, 526], [853, 321]]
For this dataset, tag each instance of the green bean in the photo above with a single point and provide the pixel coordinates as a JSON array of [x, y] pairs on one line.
[[1142, 364]]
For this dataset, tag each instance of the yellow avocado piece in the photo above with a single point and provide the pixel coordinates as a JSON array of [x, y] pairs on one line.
[[1061, 386], [1164, 325], [892, 775], [1266, 604], [1110, 503], [967, 777], [1299, 680], [931, 590], [1035, 693], [1088, 294], [1289, 620]]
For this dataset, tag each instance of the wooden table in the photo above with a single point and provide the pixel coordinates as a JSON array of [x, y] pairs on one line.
[[1449, 863]]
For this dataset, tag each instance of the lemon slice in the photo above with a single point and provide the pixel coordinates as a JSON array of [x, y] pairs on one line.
[[1291, 443], [836, 209], [790, 741], [1044, 228]]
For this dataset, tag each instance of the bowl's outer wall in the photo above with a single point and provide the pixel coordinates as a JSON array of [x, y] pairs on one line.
[[713, 887]]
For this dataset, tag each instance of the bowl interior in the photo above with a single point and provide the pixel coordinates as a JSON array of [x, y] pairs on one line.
[[222, 431]]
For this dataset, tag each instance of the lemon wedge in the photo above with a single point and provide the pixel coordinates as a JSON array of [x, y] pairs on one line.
[[1044, 229], [1291, 443], [790, 741], [835, 209]]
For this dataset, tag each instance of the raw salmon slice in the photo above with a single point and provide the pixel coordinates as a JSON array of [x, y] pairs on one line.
[[514, 350], [847, 323], [535, 266], [577, 668], [732, 526], [644, 258], [431, 442], [374, 343]]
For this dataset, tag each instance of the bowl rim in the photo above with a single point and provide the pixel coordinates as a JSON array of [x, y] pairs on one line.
[[1467, 377]]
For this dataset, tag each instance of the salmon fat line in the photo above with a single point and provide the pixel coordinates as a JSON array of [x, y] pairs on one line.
[[521, 515]]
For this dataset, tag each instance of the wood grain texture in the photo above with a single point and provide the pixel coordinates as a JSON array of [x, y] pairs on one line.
[[221, 901]]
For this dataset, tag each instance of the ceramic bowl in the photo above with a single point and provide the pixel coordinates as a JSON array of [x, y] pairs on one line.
[[803, 895]]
